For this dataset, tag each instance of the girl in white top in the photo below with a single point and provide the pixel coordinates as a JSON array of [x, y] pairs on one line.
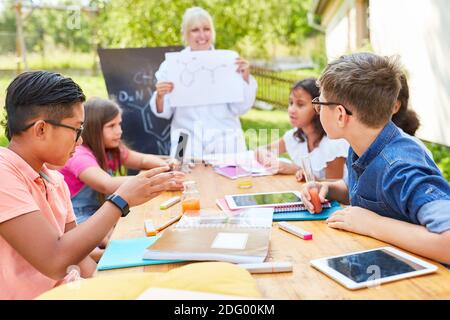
[[405, 118], [306, 138], [211, 128]]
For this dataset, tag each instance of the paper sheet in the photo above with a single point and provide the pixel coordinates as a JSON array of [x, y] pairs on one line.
[[204, 78]]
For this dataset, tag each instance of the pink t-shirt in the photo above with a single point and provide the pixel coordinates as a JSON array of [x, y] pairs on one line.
[[82, 159], [22, 191]]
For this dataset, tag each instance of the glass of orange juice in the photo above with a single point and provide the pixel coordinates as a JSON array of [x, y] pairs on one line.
[[190, 200]]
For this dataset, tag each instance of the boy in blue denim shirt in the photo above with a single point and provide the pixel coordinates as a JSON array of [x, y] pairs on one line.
[[396, 191]]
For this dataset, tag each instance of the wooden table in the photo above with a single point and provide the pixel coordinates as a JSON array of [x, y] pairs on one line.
[[304, 282]]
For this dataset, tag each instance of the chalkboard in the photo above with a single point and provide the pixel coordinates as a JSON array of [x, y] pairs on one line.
[[130, 80]]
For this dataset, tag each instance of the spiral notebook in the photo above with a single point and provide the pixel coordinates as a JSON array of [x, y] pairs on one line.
[[237, 237], [299, 214], [223, 205], [304, 215]]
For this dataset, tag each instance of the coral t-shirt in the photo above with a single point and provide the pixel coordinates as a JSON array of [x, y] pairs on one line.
[[22, 191], [82, 159]]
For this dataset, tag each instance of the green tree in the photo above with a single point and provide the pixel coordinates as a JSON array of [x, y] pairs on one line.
[[7, 28], [251, 26], [71, 29]]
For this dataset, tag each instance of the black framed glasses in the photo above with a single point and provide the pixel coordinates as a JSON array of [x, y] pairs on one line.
[[78, 131], [317, 104]]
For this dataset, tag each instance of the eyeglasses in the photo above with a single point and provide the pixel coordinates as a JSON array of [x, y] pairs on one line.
[[78, 131], [317, 104]]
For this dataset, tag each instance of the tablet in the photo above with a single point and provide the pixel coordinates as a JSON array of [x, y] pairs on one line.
[[265, 199], [372, 267]]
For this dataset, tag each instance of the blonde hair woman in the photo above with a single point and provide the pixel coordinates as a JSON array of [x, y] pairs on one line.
[[207, 125]]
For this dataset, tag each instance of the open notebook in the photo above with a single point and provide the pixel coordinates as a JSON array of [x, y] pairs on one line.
[[235, 165], [237, 171], [237, 237]]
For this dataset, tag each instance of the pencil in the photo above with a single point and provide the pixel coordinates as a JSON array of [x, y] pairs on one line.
[[169, 223]]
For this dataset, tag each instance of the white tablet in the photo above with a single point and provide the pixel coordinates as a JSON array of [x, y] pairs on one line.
[[265, 199], [372, 267]]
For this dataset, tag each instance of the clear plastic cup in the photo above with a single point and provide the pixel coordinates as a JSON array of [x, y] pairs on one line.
[[309, 177], [244, 168], [307, 168]]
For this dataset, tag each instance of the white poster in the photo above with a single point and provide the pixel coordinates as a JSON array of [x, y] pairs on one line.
[[204, 78]]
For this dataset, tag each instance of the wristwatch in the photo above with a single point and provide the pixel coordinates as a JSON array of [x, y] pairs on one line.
[[120, 203]]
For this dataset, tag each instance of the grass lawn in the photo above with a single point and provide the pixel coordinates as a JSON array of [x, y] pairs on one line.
[[52, 59]]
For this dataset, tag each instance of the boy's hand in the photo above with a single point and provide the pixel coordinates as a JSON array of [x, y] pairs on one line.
[[176, 182], [174, 164], [354, 219], [168, 181], [322, 189], [149, 184]]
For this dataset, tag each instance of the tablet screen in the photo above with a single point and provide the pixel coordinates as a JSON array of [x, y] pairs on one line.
[[361, 267], [266, 198]]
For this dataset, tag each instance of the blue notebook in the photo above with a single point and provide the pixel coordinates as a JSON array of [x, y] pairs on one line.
[[305, 215], [128, 253]]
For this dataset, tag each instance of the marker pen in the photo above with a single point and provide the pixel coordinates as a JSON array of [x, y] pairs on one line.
[[268, 267], [299, 232], [169, 202], [149, 228]]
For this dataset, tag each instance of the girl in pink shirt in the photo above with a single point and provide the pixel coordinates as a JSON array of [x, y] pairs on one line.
[[99, 166]]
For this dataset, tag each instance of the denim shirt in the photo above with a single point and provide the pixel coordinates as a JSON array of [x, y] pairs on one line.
[[396, 178]]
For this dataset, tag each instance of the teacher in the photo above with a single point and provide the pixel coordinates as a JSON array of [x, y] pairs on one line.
[[211, 128]]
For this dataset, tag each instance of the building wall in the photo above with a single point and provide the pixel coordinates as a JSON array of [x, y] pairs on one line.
[[336, 40], [339, 35], [419, 31]]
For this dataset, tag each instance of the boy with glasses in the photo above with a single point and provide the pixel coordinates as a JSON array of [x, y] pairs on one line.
[[396, 192], [40, 242]]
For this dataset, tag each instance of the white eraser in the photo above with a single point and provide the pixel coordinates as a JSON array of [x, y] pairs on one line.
[[268, 267], [299, 232], [169, 202]]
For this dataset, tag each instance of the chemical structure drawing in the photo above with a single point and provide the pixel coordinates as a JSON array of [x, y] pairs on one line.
[[146, 116], [190, 70], [162, 139]]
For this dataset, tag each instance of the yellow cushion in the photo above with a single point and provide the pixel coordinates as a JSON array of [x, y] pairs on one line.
[[214, 277]]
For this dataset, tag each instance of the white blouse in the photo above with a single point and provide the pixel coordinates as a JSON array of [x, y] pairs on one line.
[[211, 128], [326, 151]]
